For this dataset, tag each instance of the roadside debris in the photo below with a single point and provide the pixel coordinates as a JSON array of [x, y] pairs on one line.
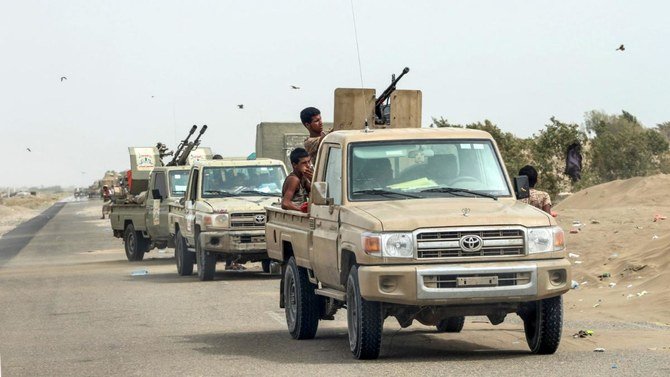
[[574, 230], [594, 221], [658, 217], [572, 255], [140, 272], [612, 284], [599, 349], [582, 334], [604, 275], [597, 304], [654, 237], [640, 294], [635, 267], [613, 256], [574, 285], [629, 296]]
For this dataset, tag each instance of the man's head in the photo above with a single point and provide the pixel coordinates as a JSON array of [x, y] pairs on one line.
[[311, 119], [531, 173], [300, 160]]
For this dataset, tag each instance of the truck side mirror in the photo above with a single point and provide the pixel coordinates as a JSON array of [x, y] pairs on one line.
[[521, 187], [182, 200], [320, 193], [156, 194]]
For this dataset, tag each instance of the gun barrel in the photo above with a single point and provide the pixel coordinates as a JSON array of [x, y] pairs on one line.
[[384, 96], [181, 146]]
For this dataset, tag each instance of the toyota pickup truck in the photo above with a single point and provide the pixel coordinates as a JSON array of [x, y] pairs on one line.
[[223, 214], [417, 224], [142, 223]]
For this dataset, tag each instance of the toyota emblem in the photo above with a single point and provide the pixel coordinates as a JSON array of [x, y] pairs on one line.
[[471, 243], [259, 219]]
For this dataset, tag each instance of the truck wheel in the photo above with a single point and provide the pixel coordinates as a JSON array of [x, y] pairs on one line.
[[134, 243], [266, 265], [451, 324], [206, 261], [301, 303], [543, 324], [364, 321], [183, 256]]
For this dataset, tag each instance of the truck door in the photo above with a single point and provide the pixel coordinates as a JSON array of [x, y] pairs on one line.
[[157, 209], [189, 206], [325, 236]]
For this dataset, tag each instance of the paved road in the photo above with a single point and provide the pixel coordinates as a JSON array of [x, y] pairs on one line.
[[70, 307]]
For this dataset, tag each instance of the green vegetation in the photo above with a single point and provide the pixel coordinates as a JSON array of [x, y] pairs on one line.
[[613, 147]]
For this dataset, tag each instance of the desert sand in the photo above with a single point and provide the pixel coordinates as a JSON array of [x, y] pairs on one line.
[[15, 210], [622, 234]]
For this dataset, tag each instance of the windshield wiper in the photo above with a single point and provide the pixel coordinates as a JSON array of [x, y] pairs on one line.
[[453, 190], [261, 193], [386, 193], [218, 192]]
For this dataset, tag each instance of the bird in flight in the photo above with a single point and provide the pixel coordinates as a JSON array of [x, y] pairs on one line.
[[240, 106], [63, 78], [28, 149], [621, 48], [295, 87]]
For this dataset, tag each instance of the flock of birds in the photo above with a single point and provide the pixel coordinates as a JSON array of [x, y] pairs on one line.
[[295, 87]]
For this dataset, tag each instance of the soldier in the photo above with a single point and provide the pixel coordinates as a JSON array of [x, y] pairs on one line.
[[311, 119], [107, 200], [536, 198], [296, 186]]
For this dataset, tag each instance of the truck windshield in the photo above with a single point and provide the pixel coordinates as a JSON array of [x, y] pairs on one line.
[[219, 182], [425, 169], [178, 182]]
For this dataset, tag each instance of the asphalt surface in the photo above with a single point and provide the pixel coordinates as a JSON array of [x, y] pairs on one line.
[[69, 306]]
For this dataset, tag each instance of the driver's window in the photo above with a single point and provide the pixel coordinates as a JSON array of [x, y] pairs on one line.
[[159, 183], [334, 174]]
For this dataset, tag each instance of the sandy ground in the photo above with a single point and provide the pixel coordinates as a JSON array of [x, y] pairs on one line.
[[15, 210], [618, 237]]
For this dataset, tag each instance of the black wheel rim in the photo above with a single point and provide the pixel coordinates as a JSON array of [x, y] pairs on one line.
[[352, 316], [292, 297], [132, 246]]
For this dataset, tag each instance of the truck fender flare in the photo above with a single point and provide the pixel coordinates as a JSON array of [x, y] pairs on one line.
[[347, 260]]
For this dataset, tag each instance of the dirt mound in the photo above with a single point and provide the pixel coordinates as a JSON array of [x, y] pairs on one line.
[[621, 249], [645, 191]]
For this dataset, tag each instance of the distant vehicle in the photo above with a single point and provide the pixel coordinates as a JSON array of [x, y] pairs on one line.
[[223, 214]]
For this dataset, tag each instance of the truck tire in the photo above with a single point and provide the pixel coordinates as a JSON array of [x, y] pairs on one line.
[[451, 324], [135, 244], [206, 261], [364, 321], [543, 324], [265, 263], [301, 303], [183, 256]]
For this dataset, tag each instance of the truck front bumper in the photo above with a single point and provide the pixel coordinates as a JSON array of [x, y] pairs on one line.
[[234, 242], [465, 283]]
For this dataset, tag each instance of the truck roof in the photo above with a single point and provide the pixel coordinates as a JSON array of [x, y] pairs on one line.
[[239, 162], [350, 136]]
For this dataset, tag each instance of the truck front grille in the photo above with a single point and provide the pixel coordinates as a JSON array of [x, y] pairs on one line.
[[447, 243], [477, 280], [246, 220]]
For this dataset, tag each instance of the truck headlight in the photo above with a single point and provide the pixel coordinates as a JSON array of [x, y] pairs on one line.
[[390, 245], [543, 240], [216, 221]]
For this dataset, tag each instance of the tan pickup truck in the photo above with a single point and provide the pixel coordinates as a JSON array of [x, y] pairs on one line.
[[223, 214], [418, 224]]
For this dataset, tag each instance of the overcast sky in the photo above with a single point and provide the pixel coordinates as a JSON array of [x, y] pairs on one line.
[[139, 72]]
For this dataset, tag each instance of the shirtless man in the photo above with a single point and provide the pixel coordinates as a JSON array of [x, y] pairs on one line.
[[296, 186]]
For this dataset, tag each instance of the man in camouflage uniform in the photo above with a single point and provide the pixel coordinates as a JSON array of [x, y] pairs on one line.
[[536, 198]]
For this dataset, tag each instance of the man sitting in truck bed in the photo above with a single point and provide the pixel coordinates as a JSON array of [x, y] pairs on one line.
[[296, 186]]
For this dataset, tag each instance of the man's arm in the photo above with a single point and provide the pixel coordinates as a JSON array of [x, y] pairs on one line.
[[292, 184]]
